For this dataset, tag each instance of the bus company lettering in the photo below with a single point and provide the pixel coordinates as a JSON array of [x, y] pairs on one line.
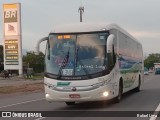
[[93, 66]]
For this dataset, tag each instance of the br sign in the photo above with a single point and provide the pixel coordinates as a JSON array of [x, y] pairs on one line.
[[10, 13]]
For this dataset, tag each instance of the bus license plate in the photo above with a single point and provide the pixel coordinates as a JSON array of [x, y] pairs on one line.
[[74, 96]]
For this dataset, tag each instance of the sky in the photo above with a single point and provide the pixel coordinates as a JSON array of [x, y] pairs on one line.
[[141, 18]]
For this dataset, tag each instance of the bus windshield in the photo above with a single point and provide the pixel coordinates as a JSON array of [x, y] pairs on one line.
[[76, 54]]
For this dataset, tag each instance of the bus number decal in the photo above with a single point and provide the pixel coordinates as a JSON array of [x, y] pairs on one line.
[[67, 72]]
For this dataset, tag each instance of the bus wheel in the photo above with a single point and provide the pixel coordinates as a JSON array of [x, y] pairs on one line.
[[70, 103], [137, 89], [119, 97]]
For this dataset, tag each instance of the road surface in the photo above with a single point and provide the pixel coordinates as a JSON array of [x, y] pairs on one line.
[[148, 99]]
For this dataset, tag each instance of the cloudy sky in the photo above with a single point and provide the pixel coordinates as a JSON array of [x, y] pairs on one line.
[[141, 18]]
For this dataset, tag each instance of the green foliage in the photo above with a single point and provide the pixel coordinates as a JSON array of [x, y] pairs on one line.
[[1, 53], [34, 61], [151, 59]]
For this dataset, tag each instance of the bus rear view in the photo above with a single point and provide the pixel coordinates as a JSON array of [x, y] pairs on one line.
[[83, 64]]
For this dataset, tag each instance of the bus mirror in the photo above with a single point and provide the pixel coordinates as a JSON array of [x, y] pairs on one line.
[[110, 43], [38, 45]]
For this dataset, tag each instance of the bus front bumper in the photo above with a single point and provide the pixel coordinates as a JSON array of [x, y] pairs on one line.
[[101, 93]]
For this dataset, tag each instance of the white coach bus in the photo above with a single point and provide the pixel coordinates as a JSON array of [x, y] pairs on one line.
[[91, 62]]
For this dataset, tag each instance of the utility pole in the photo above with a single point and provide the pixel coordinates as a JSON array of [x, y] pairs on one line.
[[81, 10]]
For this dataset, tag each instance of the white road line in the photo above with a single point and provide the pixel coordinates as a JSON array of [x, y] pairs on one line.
[[22, 103], [40, 118], [155, 113]]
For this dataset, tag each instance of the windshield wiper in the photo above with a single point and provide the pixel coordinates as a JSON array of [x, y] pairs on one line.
[[77, 60], [63, 64]]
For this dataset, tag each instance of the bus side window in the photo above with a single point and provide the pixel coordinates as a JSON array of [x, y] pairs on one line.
[[48, 52], [114, 55]]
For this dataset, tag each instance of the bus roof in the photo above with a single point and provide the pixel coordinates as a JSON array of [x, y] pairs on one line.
[[83, 27], [88, 27]]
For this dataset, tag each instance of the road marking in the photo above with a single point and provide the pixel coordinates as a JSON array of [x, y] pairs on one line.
[[40, 118], [22, 103], [155, 113]]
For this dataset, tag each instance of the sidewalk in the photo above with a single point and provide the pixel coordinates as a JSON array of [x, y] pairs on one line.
[[16, 81]]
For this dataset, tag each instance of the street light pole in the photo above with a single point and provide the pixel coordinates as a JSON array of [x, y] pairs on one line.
[[81, 10]]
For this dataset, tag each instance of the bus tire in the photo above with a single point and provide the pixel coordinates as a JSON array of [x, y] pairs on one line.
[[70, 103], [120, 91], [137, 89]]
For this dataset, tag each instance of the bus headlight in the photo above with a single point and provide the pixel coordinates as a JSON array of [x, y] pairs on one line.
[[105, 94], [47, 95]]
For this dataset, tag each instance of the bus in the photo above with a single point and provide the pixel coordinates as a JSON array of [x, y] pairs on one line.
[[157, 68], [91, 62]]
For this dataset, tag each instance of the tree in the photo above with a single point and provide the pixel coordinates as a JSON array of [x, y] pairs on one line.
[[34, 61], [151, 59]]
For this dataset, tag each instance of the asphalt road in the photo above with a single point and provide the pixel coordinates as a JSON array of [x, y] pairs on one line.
[[148, 99]]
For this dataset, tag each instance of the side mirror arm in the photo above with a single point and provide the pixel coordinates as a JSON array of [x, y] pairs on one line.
[[38, 44], [110, 43]]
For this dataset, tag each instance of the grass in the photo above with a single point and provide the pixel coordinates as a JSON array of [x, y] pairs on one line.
[[22, 88]]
